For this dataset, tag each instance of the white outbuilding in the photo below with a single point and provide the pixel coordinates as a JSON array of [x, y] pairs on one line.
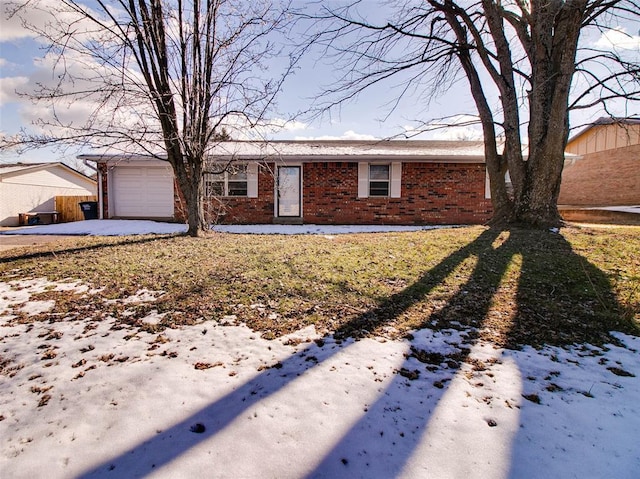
[[27, 189]]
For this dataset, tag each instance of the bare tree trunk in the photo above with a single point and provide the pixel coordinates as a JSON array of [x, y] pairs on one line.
[[496, 162], [537, 204], [196, 221], [551, 47], [552, 52], [190, 180], [523, 53], [162, 78]]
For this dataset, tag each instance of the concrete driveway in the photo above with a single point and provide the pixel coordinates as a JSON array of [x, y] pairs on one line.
[[15, 241]]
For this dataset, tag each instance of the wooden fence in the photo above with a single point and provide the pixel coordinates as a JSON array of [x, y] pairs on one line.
[[69, 208]]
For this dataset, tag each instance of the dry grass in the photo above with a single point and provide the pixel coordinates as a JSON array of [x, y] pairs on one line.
[[514, 287]]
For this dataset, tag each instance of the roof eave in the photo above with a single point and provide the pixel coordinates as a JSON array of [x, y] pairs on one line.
[[357, 158], [604, 121], [304, 158], [44, 166]]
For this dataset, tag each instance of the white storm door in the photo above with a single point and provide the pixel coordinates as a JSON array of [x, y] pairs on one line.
[[288, 191]]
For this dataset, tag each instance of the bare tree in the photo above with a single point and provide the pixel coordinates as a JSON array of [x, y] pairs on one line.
[[162, 77], [522, 53]]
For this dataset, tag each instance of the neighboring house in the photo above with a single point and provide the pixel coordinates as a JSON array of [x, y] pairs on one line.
[[32, 187], [317, 182], [606, 170]]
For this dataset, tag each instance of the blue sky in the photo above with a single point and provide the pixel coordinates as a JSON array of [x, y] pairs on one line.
[[367, 116]]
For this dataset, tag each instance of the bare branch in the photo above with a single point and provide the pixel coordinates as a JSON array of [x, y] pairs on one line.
[[163, 77], [525, 50]]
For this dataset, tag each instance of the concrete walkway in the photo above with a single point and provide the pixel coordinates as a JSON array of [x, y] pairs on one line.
[[624, 215], [15, 241]]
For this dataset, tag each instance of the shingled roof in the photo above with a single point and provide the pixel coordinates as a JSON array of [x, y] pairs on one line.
[[338, 150]]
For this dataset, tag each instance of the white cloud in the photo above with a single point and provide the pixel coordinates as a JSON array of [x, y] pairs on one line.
[[12, 19], [618, 39], [37, 16], [11, 27], [240, 128], [8, 87], [347, 135], [83, 106], [78, 75]]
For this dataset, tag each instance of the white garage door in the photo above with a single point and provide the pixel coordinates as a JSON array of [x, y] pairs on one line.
[[142, 192]]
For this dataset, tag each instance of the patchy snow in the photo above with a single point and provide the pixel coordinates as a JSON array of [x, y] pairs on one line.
[[327, 230], [352, 150], [101, 228], [141, 296], [139, 227], [82, 398]]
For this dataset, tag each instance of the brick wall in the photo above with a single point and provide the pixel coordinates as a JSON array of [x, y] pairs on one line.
[[432, 193], [240, 210], [610, 177]]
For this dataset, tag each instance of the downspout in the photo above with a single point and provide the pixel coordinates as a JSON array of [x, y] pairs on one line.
[[85, 162]]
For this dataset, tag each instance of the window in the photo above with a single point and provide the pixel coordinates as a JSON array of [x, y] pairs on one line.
[[214, 184], [379, 180], [232, 182], [237, 181], [507, 181]]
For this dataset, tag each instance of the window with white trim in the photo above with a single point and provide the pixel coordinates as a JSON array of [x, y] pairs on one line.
[[233, 181], [379, 178], [487, 185]]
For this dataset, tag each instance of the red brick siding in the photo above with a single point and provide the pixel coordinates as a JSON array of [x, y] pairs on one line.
[[610, 177], [239, 210], [330, 193], [431, 193]]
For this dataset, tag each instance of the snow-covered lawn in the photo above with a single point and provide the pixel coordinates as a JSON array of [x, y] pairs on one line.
[[87, 398], [139, 227]]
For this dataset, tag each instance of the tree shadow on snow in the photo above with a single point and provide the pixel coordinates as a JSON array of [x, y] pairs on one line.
[[543, 296], [551, 308]]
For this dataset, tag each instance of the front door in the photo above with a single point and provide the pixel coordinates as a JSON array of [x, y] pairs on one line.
[[289, 191]]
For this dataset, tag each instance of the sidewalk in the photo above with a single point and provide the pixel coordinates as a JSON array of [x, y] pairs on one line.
[[624, 215]]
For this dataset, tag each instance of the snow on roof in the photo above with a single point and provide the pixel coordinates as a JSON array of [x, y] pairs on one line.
[[338, 150]]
